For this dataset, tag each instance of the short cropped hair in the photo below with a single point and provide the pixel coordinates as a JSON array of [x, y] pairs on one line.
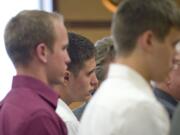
[[104, 53], [26, 30], [80, 49], [134, 17]]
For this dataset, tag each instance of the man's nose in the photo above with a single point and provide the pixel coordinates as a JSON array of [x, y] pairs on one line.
[[95, 82]]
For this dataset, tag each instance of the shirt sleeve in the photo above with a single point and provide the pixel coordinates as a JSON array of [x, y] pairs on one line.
[[41, 123]]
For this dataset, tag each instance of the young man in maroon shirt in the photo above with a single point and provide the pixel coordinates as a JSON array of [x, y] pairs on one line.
[[36, 43]]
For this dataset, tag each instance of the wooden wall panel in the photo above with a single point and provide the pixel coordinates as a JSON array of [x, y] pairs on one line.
[[87, 17]]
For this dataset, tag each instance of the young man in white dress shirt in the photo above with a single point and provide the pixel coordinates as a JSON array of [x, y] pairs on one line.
[[79, 80], [145, 33], [104, 56]]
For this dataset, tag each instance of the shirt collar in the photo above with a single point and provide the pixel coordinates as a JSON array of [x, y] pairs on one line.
[[37, 86], [125, 72], [64, 110]]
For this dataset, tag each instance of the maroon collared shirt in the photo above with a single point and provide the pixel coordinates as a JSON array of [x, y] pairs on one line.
[[29, 109]]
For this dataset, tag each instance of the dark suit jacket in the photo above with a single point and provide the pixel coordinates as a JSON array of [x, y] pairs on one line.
[[166, 100], [175, 129], [79, 111]]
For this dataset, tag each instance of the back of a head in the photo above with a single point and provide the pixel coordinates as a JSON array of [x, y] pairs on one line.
[[104, 54], [26, 30], [80, 49], [134, 17]]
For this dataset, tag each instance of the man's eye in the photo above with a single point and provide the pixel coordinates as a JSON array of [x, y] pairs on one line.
[[176, 65]]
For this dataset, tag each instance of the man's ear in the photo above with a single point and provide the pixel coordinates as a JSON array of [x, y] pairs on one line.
[[145, 41], [42, 52]]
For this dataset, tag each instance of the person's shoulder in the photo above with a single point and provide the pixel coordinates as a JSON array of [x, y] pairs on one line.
[[175, 130], [42, 122]]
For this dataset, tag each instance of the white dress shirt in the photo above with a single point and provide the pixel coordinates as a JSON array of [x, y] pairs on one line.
[[124, 105], [68, 117]]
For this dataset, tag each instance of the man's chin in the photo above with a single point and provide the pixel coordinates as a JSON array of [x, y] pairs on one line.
[[88, 97]]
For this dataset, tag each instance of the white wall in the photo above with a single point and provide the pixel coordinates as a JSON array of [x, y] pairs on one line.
[[9, 8]]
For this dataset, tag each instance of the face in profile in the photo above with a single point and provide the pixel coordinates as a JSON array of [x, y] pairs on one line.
[[58, 58], [83, 84], [174, 77], [162, 55]]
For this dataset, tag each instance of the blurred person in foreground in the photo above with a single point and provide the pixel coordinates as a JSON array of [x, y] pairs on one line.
[[145, 33], [36, 42]]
